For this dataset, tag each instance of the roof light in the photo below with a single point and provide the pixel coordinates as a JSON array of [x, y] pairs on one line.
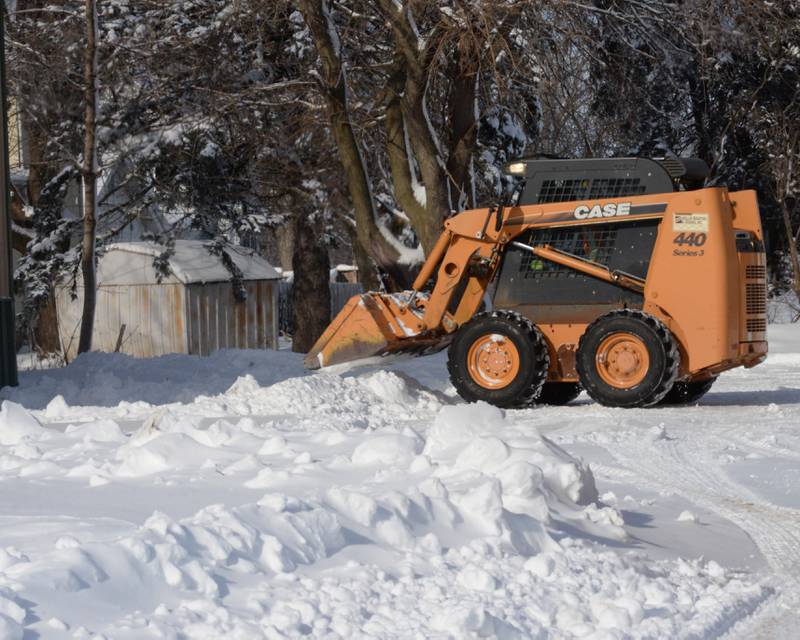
[[516, 168]]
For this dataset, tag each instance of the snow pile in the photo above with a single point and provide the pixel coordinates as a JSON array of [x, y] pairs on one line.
[[119, 381], [325, 506], [240, 571], [513, 490], [236, 496], [16, 424], [375, 399]]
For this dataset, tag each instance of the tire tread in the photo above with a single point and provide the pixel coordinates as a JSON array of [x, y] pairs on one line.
[[541, 364], [672, 355]]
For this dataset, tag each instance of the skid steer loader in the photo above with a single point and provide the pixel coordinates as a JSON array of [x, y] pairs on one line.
[[621, 276]]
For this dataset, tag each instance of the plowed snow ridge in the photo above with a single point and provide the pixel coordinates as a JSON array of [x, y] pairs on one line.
[[233, 496]]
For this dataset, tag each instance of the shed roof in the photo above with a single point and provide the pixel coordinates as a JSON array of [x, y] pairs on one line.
[[192, 262]]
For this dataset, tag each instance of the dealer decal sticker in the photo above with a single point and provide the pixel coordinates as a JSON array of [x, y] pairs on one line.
[[690, 222]]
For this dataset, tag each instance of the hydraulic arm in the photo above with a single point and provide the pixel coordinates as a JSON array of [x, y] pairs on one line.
[[376, 324]]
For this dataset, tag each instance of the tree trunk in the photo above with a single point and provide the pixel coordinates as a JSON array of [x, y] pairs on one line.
[[311, 294], [464, 130], [43, 334], [414, 59], [45, 338], [333, 86], [367, 273], [699, 100], [89, 172]]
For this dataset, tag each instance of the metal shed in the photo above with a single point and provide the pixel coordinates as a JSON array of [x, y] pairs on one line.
[[192, 310]]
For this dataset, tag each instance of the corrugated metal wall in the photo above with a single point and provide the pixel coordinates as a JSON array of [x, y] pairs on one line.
[[153, 316], [174, 318], [215, 320]]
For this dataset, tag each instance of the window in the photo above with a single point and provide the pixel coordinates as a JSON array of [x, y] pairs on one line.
[[595, 243], [541, 286]]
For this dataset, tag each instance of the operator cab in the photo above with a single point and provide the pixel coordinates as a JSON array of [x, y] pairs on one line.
[[547, 292]]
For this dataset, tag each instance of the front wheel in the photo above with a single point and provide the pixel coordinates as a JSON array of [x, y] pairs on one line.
[[499, 357], [627, 358]]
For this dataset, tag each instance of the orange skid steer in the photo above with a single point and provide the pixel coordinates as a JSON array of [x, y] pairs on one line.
[[619, 276]]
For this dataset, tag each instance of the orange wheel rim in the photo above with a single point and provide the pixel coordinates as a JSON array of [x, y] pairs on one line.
[[622, 360], [493, 361]]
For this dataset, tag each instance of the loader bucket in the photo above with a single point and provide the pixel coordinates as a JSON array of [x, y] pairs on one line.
[[369, 325]]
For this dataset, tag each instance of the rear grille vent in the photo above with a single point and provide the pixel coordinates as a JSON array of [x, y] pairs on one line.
[[755, 298], [755, 272], [755, 325]]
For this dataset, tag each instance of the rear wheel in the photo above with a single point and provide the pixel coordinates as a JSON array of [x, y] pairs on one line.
[[686, 392], [627, 358], [499, 357], [558, 393]]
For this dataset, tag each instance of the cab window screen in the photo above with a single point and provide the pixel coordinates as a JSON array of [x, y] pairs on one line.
[[595, 243], [623, 246]]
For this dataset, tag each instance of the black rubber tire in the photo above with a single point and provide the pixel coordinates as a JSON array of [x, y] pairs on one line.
[[661, 348], [686, 392], [559, 393], [534, 359]]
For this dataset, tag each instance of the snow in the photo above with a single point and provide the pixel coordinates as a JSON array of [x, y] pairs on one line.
[[16, 424], [420, 193], [191, 261], [406, 255], [237, 495]]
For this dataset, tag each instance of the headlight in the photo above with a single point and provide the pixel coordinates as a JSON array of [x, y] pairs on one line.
[[516, 168]]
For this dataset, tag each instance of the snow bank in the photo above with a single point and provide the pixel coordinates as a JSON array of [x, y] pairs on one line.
[[120, 381], [238, 571], [319, 505]]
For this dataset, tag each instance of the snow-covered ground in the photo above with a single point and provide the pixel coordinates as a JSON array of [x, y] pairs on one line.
[[233, 496]]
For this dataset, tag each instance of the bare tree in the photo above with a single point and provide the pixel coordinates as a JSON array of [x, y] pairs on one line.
[[411, 139], [412, 132], [783, 165], [89, 170], [332, 83], [44, 80]]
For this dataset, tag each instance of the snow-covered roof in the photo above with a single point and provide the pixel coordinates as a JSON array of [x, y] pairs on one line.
[[193, 263]]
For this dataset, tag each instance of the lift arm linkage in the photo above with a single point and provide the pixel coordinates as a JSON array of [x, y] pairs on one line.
[[588, 267]]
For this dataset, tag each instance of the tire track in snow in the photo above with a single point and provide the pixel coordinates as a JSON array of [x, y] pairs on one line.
[[762, 446], [679, 465]]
